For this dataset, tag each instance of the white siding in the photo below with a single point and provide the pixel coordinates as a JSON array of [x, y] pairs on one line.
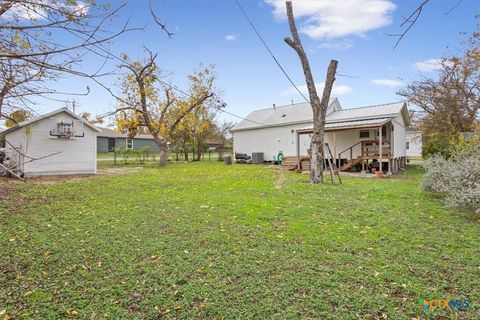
[[399, 137], [16, 138], [414, 139], [272, 140], [78, 155]]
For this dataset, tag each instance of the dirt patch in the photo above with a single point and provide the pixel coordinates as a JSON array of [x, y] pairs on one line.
[[280, 179], [118, 170], [7, 184]]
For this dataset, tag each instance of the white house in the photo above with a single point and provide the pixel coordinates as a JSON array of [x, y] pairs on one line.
[[414, 143], [57, 143], [352, 134]]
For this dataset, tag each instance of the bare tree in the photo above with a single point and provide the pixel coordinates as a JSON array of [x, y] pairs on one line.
[[319, 107], [43, 40]]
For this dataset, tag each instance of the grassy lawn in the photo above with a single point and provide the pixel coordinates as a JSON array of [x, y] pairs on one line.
[[204, 240], [107, 159]]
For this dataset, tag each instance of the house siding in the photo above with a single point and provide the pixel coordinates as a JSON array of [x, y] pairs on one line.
[[414, 139], [102, 144], [138, 143], [77, 156], [399, 137], [272, 140]]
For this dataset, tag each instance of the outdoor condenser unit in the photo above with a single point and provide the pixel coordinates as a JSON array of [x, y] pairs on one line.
[[257, 157]]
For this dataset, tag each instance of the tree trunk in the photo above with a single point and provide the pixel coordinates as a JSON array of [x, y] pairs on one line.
[[319, 107]]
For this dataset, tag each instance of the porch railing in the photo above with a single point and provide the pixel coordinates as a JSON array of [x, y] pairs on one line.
[[369, 149]]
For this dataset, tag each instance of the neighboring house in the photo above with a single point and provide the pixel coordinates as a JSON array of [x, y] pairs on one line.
[[414, 143], [68, 139], [109, 139], [352, 134]]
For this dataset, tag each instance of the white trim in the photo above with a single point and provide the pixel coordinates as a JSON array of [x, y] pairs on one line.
[[126, 143]]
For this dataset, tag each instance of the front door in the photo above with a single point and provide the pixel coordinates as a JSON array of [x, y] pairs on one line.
[[111, 144]]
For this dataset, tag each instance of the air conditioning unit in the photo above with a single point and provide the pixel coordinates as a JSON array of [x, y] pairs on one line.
[[257, 157]]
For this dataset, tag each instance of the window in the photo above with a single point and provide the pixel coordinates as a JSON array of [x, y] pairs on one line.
[[384, 133], [408, 145], [364, 134], [129, 143]]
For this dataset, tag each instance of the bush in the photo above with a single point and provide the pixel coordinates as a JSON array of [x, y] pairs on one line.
[[457, 178], [438, 146]]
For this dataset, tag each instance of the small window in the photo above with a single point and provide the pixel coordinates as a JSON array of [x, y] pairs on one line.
[[384, 133], [364, 134], [408, 145], [129, 143]]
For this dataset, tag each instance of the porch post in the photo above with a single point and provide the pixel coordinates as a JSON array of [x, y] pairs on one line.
[[390, 155], [335, 149], [380, 149], [298, 152]]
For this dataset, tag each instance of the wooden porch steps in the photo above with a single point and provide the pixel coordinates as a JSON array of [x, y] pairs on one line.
[[351, 163]]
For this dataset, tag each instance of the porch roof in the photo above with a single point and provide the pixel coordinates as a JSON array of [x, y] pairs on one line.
[[349, 125]]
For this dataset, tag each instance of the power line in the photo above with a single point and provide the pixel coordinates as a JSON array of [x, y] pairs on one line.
[[270, 51], [108, 53], [217, 108]]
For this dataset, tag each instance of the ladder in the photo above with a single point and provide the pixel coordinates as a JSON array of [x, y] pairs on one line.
[[332, 165]]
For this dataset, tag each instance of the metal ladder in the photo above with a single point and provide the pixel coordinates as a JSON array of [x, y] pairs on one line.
[[332, 165]]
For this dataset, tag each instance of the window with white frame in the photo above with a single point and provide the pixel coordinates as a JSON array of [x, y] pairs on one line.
[[129, 143]]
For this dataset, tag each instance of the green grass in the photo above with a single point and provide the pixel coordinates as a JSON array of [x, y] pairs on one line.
[[107, 159], [204, 240]]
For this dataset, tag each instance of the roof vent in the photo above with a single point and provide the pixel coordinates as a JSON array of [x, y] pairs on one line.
[[283, 115], [274, 106]]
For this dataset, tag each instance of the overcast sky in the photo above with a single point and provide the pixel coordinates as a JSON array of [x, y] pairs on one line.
[[352, 31]]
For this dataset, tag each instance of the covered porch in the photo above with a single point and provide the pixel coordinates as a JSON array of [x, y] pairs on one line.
[[359, 146]]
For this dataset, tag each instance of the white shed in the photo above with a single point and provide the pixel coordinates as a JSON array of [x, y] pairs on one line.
[[352, 134], [57, 143]]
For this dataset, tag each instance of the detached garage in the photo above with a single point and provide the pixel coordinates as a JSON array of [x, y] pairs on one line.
[[57, 143]]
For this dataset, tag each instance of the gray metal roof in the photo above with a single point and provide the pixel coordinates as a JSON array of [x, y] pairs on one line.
[[112, 133], [302, 113], [350, 125]]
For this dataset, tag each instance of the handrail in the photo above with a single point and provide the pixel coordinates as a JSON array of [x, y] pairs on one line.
[[349, 148], [365, 143]]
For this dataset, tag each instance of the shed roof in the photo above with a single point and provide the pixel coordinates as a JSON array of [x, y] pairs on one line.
[[47, 115], [302, 113]]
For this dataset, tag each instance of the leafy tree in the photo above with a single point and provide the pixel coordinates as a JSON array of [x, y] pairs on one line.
[[146, 101], [17, 117], [450, 102]]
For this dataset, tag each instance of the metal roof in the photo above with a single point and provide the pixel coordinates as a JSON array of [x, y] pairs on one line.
[[31, 121], [112, 133], [350, 125], [302, 113]]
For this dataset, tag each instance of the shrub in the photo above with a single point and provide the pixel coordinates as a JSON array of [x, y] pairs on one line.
[[437, 146], [457, 178]]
